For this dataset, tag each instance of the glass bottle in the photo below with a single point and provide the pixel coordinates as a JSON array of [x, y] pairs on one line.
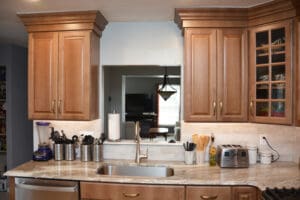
[[212, 152]]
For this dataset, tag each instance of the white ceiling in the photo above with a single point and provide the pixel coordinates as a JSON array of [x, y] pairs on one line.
[[12, 30]]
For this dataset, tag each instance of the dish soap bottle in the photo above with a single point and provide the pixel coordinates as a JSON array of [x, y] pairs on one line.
[[212, 152]]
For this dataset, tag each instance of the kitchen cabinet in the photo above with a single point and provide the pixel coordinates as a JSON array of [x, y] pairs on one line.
[[216, 57], [103, 191], [215, 74], [297, 82], [208, 193], [244, 193], [270, 73], [63, 64], [221, 192]]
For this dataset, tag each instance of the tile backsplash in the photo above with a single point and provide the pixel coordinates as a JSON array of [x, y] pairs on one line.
[[285, 139]]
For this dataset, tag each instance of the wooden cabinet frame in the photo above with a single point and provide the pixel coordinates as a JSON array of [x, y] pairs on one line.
[[265, 15], [288, 75], [64, 64]]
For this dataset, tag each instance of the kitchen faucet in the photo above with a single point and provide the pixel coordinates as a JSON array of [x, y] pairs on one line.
[[138, 155]]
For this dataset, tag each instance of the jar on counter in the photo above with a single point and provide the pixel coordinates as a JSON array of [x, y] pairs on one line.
[[252, 152], [265, 157]]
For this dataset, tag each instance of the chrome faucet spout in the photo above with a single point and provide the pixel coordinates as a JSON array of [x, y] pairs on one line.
[[138, 155]]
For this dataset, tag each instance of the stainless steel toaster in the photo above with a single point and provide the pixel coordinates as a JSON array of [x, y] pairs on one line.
[[232, 156]]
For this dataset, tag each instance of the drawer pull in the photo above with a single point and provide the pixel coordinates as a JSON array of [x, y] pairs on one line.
[[251, 108], [206, 197], [131, 195], [244, 197]]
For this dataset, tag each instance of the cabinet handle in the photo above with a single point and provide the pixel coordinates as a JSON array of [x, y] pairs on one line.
[[244, 197], [206, 197], [53, 106], [221, 107], [251, 108], [59, 106], [215, 107], [131, 195]]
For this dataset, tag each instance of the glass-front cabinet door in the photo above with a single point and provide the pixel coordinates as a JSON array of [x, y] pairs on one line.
[[270, 71]]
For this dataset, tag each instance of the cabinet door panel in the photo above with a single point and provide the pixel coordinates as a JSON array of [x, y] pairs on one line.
[[42, 75], [232, 75], [104, 191], [203, 192], [200, 75], [270, 74], [297, 116], [74, 75]]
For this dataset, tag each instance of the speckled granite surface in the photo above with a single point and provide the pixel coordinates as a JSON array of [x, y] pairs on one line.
[[279, 174]]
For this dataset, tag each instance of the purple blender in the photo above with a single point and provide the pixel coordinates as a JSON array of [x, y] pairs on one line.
[[44, 152]]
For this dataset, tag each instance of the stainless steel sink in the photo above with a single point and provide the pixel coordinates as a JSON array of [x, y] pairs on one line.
[[135, 170]]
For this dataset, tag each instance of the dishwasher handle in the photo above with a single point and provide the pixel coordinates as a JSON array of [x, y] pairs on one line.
[[51, 188]]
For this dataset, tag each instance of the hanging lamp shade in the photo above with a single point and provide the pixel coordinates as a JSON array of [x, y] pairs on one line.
[[166, 90]]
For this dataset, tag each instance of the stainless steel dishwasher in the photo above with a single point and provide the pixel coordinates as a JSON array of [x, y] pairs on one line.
[[37, 189]]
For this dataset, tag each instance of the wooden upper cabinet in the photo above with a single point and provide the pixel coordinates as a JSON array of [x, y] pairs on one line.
[[64, 64], [215, 74], [270, 74], [42, 75], [200, 75], [232, 75]]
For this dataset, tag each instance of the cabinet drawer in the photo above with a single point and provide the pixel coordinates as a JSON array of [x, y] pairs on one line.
[[208, 193], [105, 191], [244, 193]]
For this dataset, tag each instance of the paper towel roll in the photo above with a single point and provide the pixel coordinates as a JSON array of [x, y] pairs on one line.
[[113, 126]]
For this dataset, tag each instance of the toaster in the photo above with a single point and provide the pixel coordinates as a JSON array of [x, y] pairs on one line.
[[232, 156]]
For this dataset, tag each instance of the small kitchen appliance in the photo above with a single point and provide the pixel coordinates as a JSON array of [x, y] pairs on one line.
[[232, 156], [44, 152]]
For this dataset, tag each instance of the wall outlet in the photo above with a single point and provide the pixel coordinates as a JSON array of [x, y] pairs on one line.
[[262, 141]]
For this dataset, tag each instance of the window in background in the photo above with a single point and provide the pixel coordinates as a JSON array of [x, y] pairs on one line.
[[168, 111]]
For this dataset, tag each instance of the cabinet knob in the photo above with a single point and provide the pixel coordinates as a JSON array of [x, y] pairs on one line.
[[53, 106], [131, 195], [214, 107], [206, 197], [221, 107], [251, 108], [59, 106]]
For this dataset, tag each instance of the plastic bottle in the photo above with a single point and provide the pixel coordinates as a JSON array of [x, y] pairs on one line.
[[212, 152]]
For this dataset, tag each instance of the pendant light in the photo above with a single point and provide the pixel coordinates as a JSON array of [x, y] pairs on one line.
[[166, 90]]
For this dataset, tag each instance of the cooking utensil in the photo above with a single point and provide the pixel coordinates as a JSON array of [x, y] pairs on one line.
[[189, 146]]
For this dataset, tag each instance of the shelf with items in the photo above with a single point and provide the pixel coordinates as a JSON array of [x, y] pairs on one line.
[[271, 95]]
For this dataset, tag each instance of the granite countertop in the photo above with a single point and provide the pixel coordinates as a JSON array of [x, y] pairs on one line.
[[279, 174]]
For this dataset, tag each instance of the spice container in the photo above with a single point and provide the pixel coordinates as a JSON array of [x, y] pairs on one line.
[[265, 157]]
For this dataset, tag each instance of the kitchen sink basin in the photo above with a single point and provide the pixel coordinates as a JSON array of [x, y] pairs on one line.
[[135, 170]]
